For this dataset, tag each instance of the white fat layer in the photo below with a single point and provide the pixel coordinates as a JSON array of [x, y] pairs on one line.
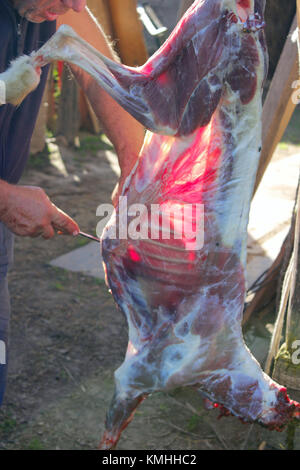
[[246, 133]]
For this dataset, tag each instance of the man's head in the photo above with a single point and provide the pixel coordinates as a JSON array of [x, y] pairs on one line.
[[38, 11]]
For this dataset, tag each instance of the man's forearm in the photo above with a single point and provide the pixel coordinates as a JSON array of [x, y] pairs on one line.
[[4, 188], [126, 134]]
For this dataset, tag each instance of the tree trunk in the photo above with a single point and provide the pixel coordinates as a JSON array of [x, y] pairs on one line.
[[68, 119]]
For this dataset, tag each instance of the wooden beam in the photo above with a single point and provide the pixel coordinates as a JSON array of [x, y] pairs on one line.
[[38, 140], [277, 112], [68, 107], [128, 32], [270, 284], [293, 313], [285, 371], [101, 11], [278, 106]]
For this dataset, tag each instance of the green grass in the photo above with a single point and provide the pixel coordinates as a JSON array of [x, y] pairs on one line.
[[98, 282], [60, 273], [39, 161], [89, 144], [35, 444], [8, 425], [283, 145], [92, 144], [62, 278], [49, 134], [59, 286], [292, 133], [80, 241], [193, 423]]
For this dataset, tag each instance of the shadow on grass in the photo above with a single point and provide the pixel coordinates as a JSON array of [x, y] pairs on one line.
[[292, 133]]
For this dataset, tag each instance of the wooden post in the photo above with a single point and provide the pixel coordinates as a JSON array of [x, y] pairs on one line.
[[68, 113], [293, 318], [101, 11], [51, 112], [38, 140], [287, 367], [270, 283], [277, 112], [279, 106], [128, 32]]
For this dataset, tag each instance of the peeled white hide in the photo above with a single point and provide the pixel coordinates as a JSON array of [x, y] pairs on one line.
[[21, 78]]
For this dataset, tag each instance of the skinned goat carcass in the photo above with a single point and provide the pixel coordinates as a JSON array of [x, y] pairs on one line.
[[200, 97]]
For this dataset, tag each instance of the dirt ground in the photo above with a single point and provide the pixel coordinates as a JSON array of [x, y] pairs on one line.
[[67, 338]]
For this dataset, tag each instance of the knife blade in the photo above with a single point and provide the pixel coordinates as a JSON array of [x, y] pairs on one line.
[[90, 237]]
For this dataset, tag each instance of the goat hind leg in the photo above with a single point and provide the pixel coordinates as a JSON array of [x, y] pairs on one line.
[[68, 46], [120, 414]]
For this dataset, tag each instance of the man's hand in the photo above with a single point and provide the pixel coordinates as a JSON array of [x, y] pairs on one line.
[[27, 211]]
